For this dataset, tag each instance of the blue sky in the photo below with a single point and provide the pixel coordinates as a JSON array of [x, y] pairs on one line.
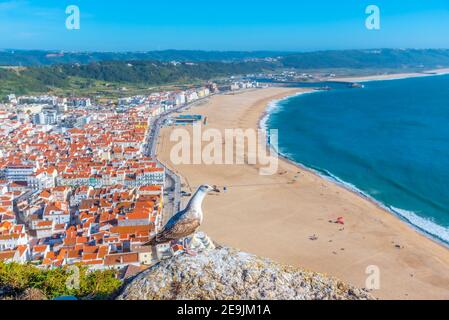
[[222, 25]]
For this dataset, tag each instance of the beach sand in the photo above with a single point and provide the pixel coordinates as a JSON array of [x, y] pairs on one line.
[[275, 216], [392, 76]]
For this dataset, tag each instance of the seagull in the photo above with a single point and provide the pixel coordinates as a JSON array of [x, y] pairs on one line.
[[185, 222]]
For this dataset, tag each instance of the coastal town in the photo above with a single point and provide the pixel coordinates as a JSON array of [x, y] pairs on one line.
[[239, 153], [80, 183]]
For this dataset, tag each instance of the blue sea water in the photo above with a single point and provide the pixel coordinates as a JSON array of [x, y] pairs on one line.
[[389, 140]]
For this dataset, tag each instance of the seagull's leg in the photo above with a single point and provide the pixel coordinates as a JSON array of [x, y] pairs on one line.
[[187, 249]]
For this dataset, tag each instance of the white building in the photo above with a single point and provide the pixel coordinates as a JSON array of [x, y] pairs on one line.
[[11, 241], [56, 215], [18, 173], [42, 180]]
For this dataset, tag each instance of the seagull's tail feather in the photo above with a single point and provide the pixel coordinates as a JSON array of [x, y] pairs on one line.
[[156, 240], [153, 241]]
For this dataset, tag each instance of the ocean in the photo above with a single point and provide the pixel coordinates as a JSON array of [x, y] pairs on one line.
[[388, 141]]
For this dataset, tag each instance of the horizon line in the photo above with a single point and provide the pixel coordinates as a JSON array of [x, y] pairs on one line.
[[240, 51]]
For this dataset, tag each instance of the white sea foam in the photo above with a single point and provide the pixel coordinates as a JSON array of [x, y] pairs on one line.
[[268, 111], [425, 225], [274, 105]]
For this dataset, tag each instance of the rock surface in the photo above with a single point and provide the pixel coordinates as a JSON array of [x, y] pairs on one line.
[[27, 294], [225, 273]]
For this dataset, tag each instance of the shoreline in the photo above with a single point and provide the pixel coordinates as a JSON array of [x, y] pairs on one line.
[[349, 187], [275, 216], [342, 183], [393, 76]]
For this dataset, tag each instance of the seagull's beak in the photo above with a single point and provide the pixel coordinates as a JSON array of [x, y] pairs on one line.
[[215, 189]]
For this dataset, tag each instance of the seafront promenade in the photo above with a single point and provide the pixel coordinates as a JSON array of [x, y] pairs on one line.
[[172, 194]]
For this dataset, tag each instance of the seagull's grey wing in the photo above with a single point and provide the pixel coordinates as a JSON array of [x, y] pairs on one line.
[[173, 220], [182, 228], [177, 227]]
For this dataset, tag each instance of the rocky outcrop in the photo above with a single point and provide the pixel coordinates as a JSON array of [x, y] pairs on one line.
[[225, 273], [27, 294]]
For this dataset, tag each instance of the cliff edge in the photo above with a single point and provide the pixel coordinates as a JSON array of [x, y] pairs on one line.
[[225, 273]]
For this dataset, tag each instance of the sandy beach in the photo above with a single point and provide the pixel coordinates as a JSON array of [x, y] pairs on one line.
[[289, 216], [393, 76]]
